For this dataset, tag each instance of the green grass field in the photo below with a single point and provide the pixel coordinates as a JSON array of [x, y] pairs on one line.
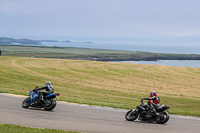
[[7, 128], [117, 85]]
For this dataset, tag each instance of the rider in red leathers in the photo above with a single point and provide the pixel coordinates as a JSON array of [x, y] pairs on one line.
[[156, 101]]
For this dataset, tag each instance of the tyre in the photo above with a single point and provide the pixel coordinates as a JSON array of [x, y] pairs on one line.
[[26, 103], [50, 105], [131, 115], [164, 117]]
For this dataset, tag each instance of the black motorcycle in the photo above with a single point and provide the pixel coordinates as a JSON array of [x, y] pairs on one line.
[[149, 112]]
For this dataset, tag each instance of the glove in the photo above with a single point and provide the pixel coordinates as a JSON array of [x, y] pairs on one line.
[[153, 98], [142, 100]]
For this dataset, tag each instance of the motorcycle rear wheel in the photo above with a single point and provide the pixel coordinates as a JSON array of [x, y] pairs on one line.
[[131, 115], [164, 117], [26, 103], [50, 106]]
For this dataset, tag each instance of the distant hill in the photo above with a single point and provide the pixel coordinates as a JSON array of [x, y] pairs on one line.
[[48, 40], [68, 41], [90, 54], [6, 40]]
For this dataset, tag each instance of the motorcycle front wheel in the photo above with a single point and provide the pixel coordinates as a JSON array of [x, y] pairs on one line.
[[26, 103], [163, 118], [131, 115]]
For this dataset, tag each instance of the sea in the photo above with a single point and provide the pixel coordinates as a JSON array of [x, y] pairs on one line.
[[144, 47]]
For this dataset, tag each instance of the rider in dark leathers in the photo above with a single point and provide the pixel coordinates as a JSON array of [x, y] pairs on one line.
[[48, 90]]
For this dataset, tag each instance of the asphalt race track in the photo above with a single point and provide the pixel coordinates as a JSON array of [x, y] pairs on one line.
[[83, 118]]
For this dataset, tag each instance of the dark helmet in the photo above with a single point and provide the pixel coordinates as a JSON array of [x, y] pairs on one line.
[[153, 94]]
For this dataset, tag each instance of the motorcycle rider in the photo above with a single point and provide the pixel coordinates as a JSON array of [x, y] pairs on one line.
[[48, 90], [156, 101]]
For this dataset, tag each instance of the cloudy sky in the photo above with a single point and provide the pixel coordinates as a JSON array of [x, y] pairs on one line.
[[46, 19]]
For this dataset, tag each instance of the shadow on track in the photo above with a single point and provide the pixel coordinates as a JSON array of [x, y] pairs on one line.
[[38, 109], [147, 122]]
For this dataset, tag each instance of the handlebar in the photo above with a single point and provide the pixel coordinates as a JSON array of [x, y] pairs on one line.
[[35, 89]]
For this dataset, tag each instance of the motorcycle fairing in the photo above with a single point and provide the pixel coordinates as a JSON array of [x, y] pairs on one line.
[[33, 96], [162, 108], [50, 95]]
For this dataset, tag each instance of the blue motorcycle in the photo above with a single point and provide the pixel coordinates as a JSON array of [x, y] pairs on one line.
[[48, 102]]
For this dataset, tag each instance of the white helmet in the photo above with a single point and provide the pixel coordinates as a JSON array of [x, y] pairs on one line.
[[48, 84]]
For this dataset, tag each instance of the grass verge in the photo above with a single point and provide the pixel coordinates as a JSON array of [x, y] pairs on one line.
[[7, 128]]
